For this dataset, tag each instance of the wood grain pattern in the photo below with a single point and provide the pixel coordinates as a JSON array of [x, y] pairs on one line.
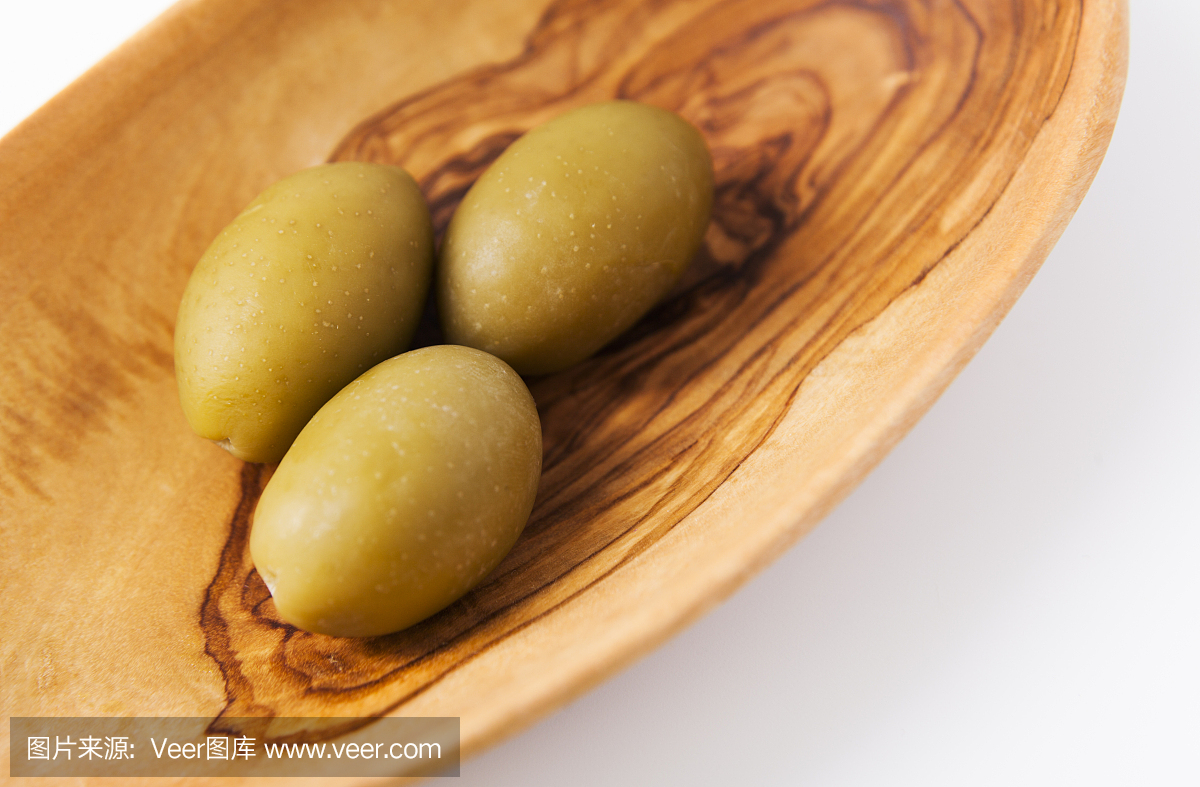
[[889, 175], [637, 438]]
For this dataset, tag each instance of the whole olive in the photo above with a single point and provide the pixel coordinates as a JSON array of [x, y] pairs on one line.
[[401, 494], [320, 278], [573, 233]]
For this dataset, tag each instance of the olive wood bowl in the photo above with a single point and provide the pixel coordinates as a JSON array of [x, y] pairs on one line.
[[890, 174]]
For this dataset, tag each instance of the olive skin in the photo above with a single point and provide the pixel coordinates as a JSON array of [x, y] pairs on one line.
[[321, 277], [401, 494], [573, 233]]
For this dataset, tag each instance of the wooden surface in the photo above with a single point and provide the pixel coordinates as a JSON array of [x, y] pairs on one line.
[[889, 177]]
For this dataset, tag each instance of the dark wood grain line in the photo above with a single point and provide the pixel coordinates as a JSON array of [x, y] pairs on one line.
[[218, 645], [76, 384]]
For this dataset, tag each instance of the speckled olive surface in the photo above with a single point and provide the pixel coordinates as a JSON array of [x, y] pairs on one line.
[[401, 494], [573, 233], [320, 278]]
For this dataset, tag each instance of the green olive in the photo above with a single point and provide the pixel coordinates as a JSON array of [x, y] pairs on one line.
[[573, 233], [401, 494], [323, 276]]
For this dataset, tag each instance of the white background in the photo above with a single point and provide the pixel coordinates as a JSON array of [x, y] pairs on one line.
[[1012, 597]]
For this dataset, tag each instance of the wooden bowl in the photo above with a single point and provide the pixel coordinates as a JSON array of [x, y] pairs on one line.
[[890, 175]]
